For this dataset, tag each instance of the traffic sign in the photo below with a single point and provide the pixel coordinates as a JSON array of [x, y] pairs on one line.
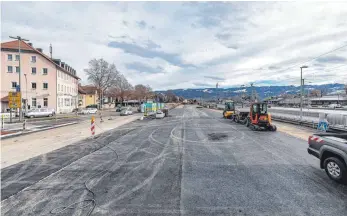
[[17, 88], [14, 100]]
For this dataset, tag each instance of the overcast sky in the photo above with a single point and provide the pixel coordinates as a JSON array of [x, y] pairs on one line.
[[190, 45]]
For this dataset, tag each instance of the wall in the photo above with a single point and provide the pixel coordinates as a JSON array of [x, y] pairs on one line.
[[67, 87], [26, 68], [90, 99]]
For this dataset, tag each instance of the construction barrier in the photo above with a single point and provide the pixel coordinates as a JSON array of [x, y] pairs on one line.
[[92, 125]]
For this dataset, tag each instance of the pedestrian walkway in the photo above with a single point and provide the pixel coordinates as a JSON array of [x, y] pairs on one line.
[[17, 149]]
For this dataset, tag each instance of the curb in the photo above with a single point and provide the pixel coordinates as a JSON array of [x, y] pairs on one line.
[[34, 131]]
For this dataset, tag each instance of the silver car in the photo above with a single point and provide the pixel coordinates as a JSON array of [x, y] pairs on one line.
[[41, 112]]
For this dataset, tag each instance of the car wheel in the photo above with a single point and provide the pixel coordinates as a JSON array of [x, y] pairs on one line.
[[335, 169]]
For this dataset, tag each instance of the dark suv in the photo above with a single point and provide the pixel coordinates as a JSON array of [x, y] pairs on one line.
[[331, 149]]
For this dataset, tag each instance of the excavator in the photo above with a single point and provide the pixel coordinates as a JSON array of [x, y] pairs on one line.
[[229, 109], [259, 118]]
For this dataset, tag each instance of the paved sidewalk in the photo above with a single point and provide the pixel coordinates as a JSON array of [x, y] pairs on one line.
[[17, 149]]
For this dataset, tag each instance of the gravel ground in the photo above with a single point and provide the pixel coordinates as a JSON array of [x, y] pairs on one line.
[[192, 163]]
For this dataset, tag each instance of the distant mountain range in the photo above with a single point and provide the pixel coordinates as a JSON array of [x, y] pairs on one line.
[[262, 91]]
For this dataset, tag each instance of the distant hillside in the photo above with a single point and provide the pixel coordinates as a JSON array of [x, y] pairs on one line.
[[262, 91]]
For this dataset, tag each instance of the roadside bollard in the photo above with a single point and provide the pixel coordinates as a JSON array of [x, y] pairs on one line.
[[101, 120], [24, 124], [2, 122], [92, 125]]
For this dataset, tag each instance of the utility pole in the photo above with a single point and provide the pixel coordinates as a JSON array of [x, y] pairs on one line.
[[26, 93], [301, 82], [20, 39]]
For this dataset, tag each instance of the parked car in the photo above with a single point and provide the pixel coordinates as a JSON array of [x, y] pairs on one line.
[[118, 109], [334, 106], [331, 149], [92, 110], [159, 114], [92, 106], [126, 111], [42, 112]]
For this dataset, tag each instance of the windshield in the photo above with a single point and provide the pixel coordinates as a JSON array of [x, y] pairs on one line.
[[173, 108], [263, 108]]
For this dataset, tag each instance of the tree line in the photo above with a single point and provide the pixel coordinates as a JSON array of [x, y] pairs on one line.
[[105, 77]]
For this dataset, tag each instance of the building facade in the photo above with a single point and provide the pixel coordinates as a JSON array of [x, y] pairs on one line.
[[67, 88], [39, 77], [88, 95]]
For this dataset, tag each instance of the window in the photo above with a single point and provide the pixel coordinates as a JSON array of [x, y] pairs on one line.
[[45, 85], [90, 96], [9, 69], [9, 57], [45, 102], [67, 102], [64, 89], [33, 59], [17, 57], [33, 102], [33, 85], [44, 71], [17, 69], [33, 70], [58, 87], [14, 84]]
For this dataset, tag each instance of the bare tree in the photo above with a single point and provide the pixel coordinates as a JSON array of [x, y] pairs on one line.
[[102, 74], [122, 88], [142, 92]]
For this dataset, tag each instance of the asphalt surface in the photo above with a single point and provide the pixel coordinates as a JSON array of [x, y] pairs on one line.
[[191, 163]]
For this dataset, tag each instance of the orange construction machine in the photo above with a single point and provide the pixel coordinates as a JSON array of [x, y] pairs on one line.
[[257, 117]]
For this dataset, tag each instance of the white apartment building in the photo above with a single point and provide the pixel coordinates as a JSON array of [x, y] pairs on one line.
[[67, 88]]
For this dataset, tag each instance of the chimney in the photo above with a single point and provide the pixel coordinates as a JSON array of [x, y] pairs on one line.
[[50, 50], [62, 64], [30, 44]]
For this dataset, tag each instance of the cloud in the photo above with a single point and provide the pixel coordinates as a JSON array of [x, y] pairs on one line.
[[187, 44], [198, 84], [142, 24], [143, 68], [148, 52], [331, 59], [214, 78]]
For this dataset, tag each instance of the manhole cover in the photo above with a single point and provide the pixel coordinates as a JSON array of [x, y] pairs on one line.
[[217, 136]]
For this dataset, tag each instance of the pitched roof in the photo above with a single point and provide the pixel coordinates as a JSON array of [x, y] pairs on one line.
[[88, 89], [14, 45], [80, 90], [25, 46]]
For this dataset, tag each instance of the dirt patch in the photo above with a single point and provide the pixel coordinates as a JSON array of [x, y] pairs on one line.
[[217, 136]]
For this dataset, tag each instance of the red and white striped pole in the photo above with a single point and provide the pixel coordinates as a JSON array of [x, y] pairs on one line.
[[92, 125]]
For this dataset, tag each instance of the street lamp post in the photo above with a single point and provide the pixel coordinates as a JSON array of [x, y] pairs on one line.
[[26, 93], [20, 39], [301, 91]]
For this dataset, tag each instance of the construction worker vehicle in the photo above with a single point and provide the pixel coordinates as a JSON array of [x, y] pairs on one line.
[[229, 109], [256, 117]]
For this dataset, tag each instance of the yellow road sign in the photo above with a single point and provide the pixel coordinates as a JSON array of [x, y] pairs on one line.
[[14, 100]]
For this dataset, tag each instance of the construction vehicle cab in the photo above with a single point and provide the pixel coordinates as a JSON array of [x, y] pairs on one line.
[[229, 109], [259, 118]]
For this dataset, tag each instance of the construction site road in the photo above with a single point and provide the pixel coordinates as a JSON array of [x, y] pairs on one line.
[[190, 163]]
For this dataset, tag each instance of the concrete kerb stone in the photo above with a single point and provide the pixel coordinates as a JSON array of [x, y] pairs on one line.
[[22, 133]]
